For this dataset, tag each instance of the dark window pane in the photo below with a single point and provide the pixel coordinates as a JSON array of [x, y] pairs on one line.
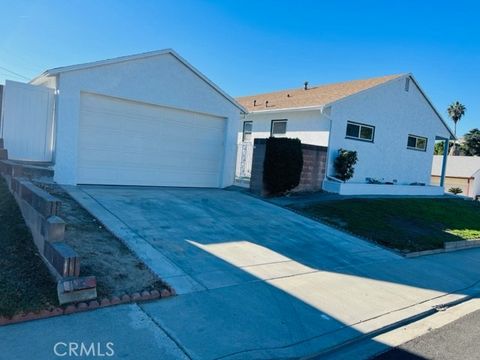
[[421, 143], [247, 130], [366, 133], [411, 142], [279, 128], [353, 130]]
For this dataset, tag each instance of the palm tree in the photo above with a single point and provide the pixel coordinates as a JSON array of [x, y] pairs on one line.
[[455, 112]]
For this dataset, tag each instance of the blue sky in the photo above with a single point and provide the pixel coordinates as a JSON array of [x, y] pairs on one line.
[[249, 47]]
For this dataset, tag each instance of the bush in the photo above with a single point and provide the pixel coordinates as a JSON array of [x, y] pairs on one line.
[[283, 164], [344, 164], [455, 190]]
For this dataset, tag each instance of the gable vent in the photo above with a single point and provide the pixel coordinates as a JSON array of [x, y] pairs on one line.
[[407, 84]]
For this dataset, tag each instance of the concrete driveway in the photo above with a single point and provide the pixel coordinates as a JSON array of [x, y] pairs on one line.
[[258, 281], [212, 238]]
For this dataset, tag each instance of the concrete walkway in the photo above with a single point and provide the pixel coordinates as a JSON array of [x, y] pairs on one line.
[[258, 281]]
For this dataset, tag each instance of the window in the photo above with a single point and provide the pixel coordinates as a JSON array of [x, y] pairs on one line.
[[247, 131], [360, 131], [279, 128], [417, 143]]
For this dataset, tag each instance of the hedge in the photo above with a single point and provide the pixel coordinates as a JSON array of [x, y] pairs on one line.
[[283, 165]]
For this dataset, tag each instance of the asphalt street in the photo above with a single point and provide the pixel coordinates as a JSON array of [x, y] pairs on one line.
[[457, 340]]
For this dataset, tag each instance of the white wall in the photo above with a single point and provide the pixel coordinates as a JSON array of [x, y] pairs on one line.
[[380, 189], [160, 80], [311, 127], [395, 114]]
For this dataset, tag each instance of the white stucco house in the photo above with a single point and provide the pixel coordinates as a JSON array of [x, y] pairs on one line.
[[146, 119], [462, 172], [389, 121]]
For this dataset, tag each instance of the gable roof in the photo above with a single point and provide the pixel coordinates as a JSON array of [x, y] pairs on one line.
[[315, 96], [321, 95], [63, 69], [457, 166]]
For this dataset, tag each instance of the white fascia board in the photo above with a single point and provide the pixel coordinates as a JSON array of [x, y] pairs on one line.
[[452, 135], [303, 108]]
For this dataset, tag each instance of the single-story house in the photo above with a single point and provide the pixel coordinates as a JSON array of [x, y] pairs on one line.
[[147, 119], [462, 172], [388, 120]]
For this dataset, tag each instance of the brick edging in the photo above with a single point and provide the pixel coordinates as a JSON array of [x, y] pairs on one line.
[[84, 306]]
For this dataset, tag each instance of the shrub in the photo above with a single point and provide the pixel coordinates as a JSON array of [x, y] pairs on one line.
[[455, 190], [283, 164], [344, 164]]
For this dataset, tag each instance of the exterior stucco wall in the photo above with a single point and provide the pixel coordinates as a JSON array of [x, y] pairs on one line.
[[311, 127], [395, 113], [160, 80]]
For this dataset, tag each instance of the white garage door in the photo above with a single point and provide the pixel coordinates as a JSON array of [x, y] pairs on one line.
[[130, 143]]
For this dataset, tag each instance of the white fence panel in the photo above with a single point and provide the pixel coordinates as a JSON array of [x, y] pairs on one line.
[[244, 160], [27, 121]]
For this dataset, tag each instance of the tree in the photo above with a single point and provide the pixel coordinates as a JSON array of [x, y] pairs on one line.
[[344, 164], [455, 111], [455, 190], [471, 145], [438, 149]]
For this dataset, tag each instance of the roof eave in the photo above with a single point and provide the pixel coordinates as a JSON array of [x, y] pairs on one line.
[[300, 108], [56, 71], [452, 135]]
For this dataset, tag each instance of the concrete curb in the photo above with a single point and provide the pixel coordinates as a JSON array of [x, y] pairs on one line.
[[447, 247], [144, 296], [393, 326]]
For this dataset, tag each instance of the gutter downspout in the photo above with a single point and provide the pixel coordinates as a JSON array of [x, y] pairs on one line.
[[327, 161], [444, 162]]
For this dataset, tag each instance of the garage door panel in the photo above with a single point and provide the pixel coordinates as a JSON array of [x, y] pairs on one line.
[[103, 159], [130, 143]]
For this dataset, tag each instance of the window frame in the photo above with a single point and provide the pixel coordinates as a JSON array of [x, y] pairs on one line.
[[243, 130], [416, 138], [360, 125], [278, 121]]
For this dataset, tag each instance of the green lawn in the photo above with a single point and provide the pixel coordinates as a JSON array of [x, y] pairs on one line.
[[402, 224], [25, 283]]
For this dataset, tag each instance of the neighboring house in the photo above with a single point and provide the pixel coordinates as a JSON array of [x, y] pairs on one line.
[[388, 120], [462, 172], [146, 119]]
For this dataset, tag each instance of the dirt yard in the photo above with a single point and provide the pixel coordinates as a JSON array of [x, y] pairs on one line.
[[117, 269]]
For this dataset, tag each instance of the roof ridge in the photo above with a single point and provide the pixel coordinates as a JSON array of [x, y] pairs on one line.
[[392, 76]]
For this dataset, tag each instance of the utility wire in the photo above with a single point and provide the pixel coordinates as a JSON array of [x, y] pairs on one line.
[[14, 73], [8, 76]]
